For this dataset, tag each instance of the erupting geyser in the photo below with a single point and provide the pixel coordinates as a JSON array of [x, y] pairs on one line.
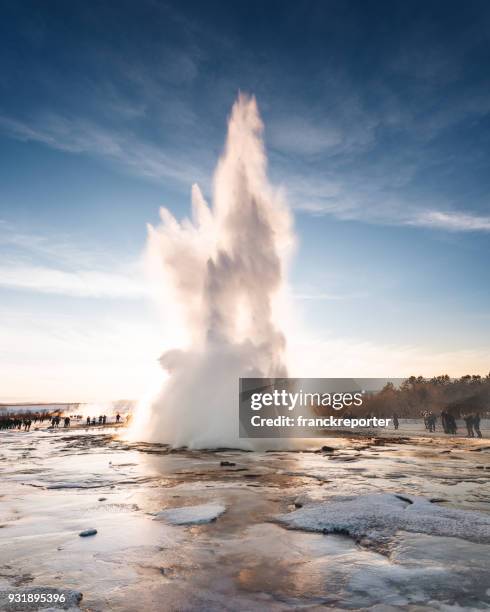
[[222, 275]]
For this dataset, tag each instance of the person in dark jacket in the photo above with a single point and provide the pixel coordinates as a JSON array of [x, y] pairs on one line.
[[468, 419], [476, 424]]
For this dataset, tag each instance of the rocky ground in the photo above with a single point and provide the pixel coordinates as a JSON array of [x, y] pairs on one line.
[[367, 523]]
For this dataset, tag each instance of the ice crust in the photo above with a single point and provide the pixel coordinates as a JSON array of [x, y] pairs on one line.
[[378, 516], [191, 515]]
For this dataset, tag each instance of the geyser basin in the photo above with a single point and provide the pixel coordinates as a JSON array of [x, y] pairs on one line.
[[241, 560]]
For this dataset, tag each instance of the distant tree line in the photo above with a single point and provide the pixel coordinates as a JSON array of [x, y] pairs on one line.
[[418, 395]]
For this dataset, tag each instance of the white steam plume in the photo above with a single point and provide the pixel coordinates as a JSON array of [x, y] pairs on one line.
[[221, 277]]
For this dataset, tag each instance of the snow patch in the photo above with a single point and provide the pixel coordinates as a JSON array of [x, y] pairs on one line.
[[378, 516], [191, 515]]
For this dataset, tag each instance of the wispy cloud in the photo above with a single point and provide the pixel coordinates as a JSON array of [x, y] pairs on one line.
[[82, 136], [378, 200], [452, 221], [332, 297], [58, 264], [303, 137], [62, 249], [79, 283]]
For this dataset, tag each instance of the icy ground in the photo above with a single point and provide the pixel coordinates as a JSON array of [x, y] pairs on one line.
[[191, 515], [376, 524], [376, 518]]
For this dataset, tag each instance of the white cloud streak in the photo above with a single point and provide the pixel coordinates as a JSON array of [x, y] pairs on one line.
[[376, 203], [81, 136], [451, 221], [330, 297], [79, 283], [58, 265]]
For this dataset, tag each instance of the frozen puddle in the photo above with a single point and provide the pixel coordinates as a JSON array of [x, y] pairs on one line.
[[377, 517], [191, 515]]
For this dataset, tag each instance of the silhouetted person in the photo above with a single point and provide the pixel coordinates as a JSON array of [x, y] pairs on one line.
[[451, 424], [444, 421], [67, 422], [118, 417], [93, 421], [468, 419], [104, 419], [395, 421], [88, 421], [476, 424]]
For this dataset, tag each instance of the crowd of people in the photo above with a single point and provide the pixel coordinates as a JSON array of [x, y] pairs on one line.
[[23, 422], [15, 423], [101, 420], [448, 422]]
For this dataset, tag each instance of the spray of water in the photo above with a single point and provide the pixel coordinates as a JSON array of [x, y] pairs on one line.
[[222, 280]]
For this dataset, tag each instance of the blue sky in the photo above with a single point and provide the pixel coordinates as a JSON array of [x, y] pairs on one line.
[[377, 125]]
